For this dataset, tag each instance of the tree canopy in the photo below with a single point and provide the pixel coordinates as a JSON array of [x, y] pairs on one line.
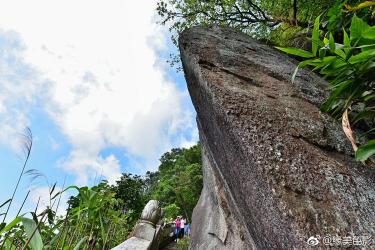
[[180, 181], [284, 22]]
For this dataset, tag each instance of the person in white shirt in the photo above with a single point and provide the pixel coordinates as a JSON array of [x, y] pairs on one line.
[[182, 231]]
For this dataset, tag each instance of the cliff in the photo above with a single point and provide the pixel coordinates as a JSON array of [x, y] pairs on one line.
[[277, 171]]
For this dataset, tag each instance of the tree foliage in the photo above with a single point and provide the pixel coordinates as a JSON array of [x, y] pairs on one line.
[[261, 18], [346, 58], [131, 190], [180, 181]]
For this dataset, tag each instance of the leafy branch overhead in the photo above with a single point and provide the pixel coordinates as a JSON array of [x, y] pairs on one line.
[[257, 18], [348, 64]]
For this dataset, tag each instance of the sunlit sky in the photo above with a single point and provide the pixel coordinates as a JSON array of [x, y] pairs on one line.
[[90, 79]]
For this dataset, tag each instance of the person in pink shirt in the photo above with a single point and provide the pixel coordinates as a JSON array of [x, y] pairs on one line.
[[177, 223]]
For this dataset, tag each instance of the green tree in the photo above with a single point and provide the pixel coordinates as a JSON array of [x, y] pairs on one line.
[[131, 190], [257, 18], [180, 181]]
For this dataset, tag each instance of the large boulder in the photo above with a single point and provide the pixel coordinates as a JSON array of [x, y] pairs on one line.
[[146, 232], [277, 171]]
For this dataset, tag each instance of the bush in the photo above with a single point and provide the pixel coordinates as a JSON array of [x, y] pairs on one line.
[[349, 68], [183, 244]]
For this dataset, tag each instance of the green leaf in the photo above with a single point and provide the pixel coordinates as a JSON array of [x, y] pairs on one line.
[[102, 227], [340, 53], [80, 243], [315, 36], [35, 217], [362, 57], [72, 187], [53, 188], [36, 242], [6, 202], [346, 42], [311, 62], [296, 52], [369, 33], [322, 53], [332, 46], [357, 27], [363, 115], [346, 39], [331, 64], [365, 151], [369, 97], [56, 238], [10, 225], [57, 194], [366, 47], [328, 105]]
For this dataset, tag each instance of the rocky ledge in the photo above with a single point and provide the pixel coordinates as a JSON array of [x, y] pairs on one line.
[[277, 171]]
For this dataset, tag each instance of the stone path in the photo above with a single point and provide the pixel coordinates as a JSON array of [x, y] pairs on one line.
[[170, 246]]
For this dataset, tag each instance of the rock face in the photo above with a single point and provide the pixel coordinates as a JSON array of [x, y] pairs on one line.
[[146, 232], [276, 170]]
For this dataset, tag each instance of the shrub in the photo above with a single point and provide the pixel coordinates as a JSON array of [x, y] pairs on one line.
[[349, 67], [183, 244]]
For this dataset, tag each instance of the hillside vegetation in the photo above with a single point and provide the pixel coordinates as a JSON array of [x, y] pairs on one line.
[[102, 216]]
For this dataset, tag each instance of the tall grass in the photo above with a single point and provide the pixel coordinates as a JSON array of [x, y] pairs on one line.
[[92, 220], [26, 146]]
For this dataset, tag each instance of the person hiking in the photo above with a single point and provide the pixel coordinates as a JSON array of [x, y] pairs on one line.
[[178, 227], [182, 230], [187, 228]]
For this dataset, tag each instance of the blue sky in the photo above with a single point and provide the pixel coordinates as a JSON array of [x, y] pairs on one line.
[[91, 81]]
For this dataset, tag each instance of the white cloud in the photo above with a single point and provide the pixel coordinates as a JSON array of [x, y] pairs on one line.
[[187, 143], [84, 165], [106, 87], [19, 85]]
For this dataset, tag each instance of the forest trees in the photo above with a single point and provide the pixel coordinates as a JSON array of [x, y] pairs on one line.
[[177, 185], [131, 189], [180, 181]]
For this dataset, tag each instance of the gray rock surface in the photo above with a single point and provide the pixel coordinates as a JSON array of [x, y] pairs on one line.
[[133, 243], [277, 171], [214, 219], [152, 212], [146, 233], [144, 230]]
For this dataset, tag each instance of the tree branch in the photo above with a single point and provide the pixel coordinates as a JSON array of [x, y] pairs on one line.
[[295, 12]]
